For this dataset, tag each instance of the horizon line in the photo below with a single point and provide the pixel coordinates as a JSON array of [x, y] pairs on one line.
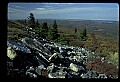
[[67, 19]]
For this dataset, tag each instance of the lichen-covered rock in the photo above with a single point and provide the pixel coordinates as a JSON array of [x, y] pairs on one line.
[[18, 46], [73, 67], [35, 58], [11, 53]]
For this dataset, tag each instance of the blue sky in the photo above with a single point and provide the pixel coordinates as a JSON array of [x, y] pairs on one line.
[[86, 11]]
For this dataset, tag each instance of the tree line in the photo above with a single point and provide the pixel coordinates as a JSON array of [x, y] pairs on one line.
[[50, 33]]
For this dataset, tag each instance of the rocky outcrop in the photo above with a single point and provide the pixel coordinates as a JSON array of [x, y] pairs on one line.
[[39, 58]]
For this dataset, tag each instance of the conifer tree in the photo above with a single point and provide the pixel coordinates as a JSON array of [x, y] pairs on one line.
[[83, 35], [44, 31], [75, 30], [37, 24], [53, 32], [31, 21], [37, 27]]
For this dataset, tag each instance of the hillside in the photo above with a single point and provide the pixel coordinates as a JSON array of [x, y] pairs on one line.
[[101, 44], [104, 32], [106, 28]]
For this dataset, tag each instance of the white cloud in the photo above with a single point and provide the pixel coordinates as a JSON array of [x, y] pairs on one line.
[[64, 3], [17, 6], [69, 10], [40, 9], [11, 11], [17, 13], [58, 11], [14, 9], [60, 3], [50, 3]]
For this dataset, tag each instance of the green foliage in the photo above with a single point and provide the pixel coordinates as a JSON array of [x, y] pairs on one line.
[[45, 27], [55, 25], [31, 22], [44, 30], [75, 30], [63, 40], [83, 35], [91, 42], [114, 57], [50, 34], [37, 24], [53, 32], [37, 28]]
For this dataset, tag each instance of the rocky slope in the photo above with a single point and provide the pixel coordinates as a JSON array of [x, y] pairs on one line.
[[30, 56], [39, 58]]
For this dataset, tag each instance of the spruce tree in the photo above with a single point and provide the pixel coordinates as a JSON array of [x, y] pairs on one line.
[[45, 26], [31, 21], [37, 27], [84, 32], [25, 21], [75, 30], [83, 35], [44, 31], [53, 32], [55, 25], [50, 34], [37, 24]]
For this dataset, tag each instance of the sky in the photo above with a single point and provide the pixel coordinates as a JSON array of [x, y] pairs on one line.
[[85, 11]]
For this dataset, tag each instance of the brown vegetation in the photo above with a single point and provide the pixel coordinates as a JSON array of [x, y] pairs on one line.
[[103, 67], [100, 44]]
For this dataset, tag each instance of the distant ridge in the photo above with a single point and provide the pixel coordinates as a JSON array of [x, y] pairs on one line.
[[73, 20], [81, 20]]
